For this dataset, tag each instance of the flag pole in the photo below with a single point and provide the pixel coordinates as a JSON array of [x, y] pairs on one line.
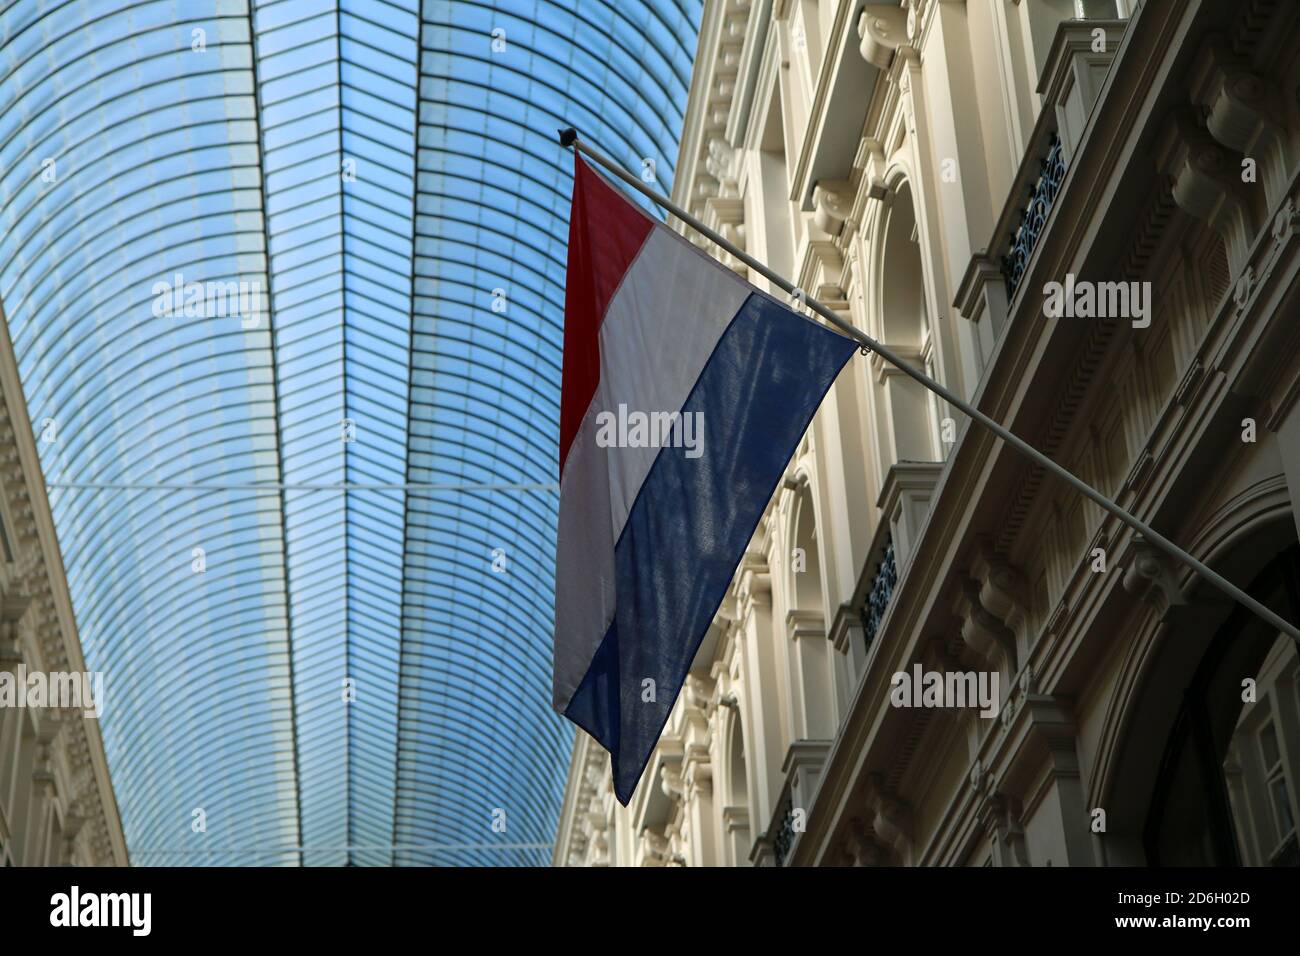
[[569, 138]]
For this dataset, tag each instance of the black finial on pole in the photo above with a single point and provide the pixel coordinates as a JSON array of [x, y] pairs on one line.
[[568, 136]]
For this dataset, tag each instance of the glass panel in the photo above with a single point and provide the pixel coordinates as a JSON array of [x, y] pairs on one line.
[[1263, 751]]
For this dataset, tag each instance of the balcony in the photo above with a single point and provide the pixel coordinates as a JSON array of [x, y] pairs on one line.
[[904, 504], [1033, 217], [882, 589], [803, 766], [1073, 76], [785, 834]]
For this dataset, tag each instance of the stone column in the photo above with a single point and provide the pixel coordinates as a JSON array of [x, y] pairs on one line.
[[697, 779], [762, 715]]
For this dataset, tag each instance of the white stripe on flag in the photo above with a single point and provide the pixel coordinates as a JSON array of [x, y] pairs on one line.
[[659, 330]]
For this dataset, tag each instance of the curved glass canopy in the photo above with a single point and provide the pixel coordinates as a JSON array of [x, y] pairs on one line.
[[285, 283]]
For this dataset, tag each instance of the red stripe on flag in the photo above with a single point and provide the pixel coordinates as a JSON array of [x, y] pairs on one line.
[[605, 234]]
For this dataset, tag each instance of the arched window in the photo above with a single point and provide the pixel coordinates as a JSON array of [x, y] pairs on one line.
[[907, 413], [806, 588], [811, 684], [736, 824]]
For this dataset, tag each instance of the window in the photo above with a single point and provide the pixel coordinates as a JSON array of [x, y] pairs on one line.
[[1100, 9], [1278, 793], [908, 414]]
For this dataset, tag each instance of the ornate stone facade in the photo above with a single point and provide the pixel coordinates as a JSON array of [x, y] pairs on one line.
[[56, 799], [928, 168]]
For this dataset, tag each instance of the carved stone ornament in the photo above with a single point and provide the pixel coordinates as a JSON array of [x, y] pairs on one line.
[[882, 31]]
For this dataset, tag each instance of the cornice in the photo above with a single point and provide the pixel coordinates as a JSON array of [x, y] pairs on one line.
[[717, 85], [690, 147], [907, 476], [748, 69]]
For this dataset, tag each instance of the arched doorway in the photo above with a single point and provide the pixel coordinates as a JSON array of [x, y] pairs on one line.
[[1224, 793]]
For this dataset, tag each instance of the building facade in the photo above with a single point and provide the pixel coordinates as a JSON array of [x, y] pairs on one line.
[[1083, 217], [56, 800]]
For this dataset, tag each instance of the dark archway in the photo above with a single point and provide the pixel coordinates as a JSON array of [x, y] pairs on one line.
[[1224, 793]]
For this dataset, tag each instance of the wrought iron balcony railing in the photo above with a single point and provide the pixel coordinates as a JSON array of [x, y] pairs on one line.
[[1033, 217], [882, 589], [784, 836]]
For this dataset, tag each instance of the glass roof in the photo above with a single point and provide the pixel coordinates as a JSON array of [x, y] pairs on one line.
[[285, 283]]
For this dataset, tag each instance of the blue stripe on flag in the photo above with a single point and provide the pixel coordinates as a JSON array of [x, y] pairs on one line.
[[692, 518]]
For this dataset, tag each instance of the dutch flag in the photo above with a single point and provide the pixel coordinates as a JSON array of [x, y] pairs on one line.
[[685, 392]]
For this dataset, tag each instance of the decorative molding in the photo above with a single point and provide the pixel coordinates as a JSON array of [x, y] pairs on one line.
[[883, 30], [982, 631], [891, 816], [1206, 184], [805, 624], [755, 581], [832, 202], [1239, 104], [1001, 588], [1152, 575], [1000, 819]]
